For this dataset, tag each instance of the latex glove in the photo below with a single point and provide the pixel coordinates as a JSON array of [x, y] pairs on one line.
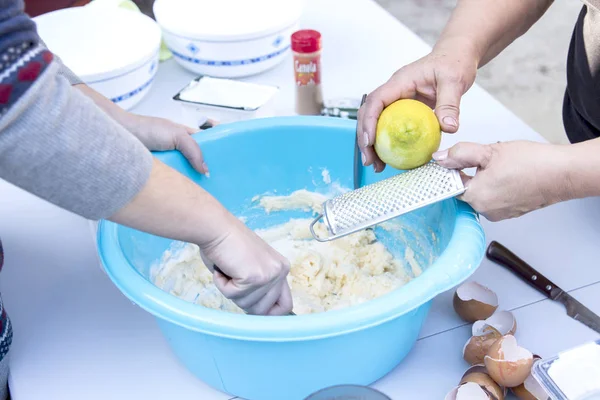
[[250, 272], [157, 134], [160, 134], [438, 80], [173, 206], [512, 178]]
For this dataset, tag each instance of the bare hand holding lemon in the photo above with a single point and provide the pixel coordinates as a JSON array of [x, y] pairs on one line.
[[407, 134], [437, 80]]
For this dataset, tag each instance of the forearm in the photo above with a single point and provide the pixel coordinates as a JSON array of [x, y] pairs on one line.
[[173, 206], [67, 73], [104, 103], [489, 26], [57, 144], [64, 70], [582, 176], [109, 107]]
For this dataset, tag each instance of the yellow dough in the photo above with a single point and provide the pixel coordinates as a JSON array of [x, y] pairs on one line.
[[323, 276]]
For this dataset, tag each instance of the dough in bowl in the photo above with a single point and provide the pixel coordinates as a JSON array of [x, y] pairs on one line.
[[323, 276]]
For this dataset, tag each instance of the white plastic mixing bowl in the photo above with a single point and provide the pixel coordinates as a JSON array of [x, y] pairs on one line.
[[228, 38], [113, 50]]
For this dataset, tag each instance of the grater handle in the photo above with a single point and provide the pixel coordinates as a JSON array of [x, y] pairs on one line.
[[328, 238], [314, 234]]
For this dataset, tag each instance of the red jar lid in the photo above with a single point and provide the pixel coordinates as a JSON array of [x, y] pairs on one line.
[[306, 41]]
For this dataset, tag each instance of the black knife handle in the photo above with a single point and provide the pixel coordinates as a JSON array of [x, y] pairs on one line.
[[501, 255]]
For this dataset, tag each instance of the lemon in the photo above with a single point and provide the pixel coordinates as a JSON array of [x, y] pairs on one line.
[[407, 134]]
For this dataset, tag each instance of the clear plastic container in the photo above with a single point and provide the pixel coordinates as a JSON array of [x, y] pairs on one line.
[[342, 108], [225, 100], [571, 375]]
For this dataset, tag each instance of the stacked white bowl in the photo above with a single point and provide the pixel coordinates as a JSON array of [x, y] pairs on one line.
[[113, 50], [228, 38]]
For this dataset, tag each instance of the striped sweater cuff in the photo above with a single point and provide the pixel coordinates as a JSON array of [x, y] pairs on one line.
[[20, 66]]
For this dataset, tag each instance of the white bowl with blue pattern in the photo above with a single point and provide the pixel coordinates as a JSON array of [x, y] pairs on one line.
[[228, 38], [113, 50]]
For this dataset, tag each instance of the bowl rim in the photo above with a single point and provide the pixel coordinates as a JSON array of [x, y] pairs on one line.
[[461, 257]]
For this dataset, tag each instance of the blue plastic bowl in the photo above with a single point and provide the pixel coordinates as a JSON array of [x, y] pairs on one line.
[[290, 357]]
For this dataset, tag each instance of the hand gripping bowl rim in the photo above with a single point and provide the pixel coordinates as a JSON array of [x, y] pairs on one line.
[[466, 248]]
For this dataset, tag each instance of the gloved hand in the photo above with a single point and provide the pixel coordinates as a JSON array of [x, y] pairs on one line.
[[250, 272], [157, 134], [255, 273], [438, 80], [512, 178], [160, 134]]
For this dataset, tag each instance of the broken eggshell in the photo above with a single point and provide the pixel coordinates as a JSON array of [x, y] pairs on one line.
[[478, 374], [503, 321], [478, 346], [469, 391], [507, 363], [486, 333], [473, 301], [531, 388]]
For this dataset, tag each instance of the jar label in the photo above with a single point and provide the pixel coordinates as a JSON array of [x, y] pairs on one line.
[[307, 71]]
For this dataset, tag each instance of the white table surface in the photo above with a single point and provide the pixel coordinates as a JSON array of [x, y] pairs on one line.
[[76, 336]]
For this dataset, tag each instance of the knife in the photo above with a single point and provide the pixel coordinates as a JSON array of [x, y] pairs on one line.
[[502, 256]]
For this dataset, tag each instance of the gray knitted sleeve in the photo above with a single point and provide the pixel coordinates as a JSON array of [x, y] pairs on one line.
[[57, 144], [67, 73], [64, 70]]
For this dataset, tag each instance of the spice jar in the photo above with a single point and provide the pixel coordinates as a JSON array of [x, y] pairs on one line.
[[306, 50]]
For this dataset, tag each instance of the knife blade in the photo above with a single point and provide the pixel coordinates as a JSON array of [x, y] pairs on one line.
[[579, 312], [502, 256]]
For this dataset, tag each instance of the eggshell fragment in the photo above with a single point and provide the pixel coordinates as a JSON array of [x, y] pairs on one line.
[[479, 368], [473, 301], [503, 321], [478, 374], [478, 346], [531, 388], [507, 363], [485, 334], [468, 391]]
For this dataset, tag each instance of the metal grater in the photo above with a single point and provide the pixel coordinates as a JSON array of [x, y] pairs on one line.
[[389, 198]]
